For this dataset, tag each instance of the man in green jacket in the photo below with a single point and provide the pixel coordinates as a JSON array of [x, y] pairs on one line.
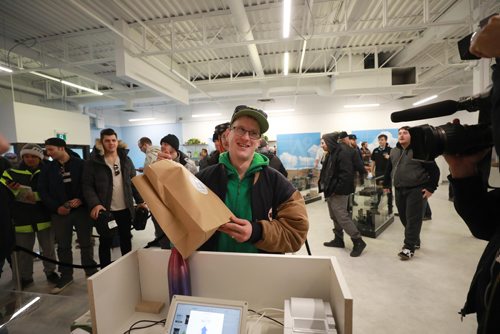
[[269, 213]]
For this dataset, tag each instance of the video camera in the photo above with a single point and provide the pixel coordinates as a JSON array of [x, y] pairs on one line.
[[428, 142]]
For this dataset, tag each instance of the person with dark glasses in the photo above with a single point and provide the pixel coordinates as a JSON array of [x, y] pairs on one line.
[[269, 213], [109, 192]]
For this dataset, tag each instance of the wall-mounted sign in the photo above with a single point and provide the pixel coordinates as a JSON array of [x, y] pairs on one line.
[[61, 135]]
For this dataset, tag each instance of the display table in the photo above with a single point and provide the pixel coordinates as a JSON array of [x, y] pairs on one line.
[[264, 281]]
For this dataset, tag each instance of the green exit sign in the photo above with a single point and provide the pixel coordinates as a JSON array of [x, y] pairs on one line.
[[61, 136]]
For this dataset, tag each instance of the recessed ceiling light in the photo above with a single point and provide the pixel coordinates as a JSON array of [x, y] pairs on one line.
[[369, 105]]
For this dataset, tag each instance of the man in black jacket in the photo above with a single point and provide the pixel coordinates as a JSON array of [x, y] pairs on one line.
[[60, 187], [274, 161], [414, 182], [476, 205], [107, 186], [337, 182]]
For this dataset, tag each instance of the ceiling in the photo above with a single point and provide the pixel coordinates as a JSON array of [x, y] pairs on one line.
[[191, 51]]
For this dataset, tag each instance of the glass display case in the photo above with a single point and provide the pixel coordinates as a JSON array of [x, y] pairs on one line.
[[370, 208]]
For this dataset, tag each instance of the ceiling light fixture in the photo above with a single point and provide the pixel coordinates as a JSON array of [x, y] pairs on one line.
[[286, 58], [141, 119], [183, 78], [287, 11], [369, 105], [5, 69], [302, 56], [205, 115], [67, 83], [427, 99], [279, 111]]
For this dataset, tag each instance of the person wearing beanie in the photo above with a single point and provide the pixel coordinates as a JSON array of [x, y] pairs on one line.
[[60, 188], [269, 213], [109, 192], [170, 149], [31, 218]]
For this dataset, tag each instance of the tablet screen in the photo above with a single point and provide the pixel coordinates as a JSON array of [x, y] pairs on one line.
[[205, 319]]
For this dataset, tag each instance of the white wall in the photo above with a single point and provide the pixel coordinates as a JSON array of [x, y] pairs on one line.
[[35, 124]]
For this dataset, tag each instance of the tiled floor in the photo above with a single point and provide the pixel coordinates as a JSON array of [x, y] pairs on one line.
[[390, 296]]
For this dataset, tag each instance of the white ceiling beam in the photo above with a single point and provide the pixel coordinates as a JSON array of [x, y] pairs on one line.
[[453, 24], [459, 11], [240, 21]]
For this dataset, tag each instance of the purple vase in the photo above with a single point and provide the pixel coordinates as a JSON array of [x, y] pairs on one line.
[[179, 282]]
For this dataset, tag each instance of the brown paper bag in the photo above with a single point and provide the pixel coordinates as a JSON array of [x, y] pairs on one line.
[[187, 211]]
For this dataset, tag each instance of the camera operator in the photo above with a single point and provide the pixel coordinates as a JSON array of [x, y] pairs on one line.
[[477, 206]]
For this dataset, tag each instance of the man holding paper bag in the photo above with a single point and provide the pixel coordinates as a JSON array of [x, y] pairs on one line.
[[269, 213]]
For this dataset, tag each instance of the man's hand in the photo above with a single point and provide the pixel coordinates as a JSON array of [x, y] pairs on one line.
[[387, 190], [485, 42], [164, 156], [13, 185], [142, 205], [75, 203], [94, 213], [62, 211], [426, 193], [462, 166], [238, 229]]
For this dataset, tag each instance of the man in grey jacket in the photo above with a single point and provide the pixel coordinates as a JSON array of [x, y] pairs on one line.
[[414, 182]]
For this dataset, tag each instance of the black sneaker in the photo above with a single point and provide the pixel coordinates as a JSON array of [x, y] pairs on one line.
[[61, 285], [417, 246], [52, 277], [26, 283], [406, 254]]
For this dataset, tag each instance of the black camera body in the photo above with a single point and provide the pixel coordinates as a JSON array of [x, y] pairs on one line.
[[102, 224]]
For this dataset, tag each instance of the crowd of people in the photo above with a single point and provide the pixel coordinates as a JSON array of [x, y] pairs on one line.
[[47, 198]]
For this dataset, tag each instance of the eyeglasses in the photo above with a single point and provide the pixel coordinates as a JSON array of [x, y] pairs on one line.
[[116, 169], [241, 132]]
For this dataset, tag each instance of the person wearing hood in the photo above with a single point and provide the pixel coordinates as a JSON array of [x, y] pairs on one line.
[[31, 218], [269, 213], [107, 186], [60, 187], [336, 181], [414, 182]]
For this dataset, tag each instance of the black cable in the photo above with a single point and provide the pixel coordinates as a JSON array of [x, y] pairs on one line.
[[26, 250], [265, 316], [16, 45], [152, 323]]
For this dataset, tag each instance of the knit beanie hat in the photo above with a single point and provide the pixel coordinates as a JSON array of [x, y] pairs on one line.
[[32, 149], [54, 141], [171, 140]]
